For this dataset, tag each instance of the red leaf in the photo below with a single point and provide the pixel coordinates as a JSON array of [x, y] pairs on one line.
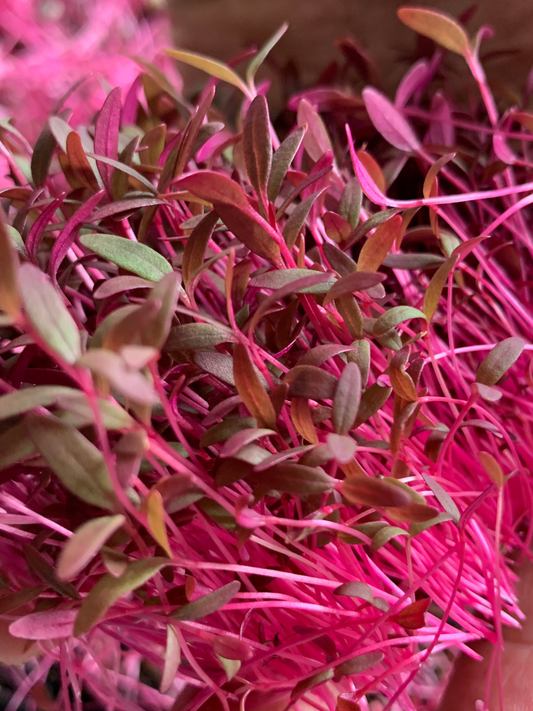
[[412, 616], [106, 135]]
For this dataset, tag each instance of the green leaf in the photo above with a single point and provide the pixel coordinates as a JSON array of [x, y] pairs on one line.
[[346, 399], [48, 314], [438, 26], [21, 401], [393, 317], [78, 464], [338, 260], [208, 604], [133, 256], [442, 496], [386, 534], [499, 360], [85, 543], [282, 160], [210, 66], [263, 53], [416, 528], [109, 589]]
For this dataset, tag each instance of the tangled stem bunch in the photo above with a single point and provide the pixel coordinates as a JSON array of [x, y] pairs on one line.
[[266, 409]]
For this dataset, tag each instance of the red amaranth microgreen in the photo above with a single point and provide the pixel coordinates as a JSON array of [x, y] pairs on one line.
[[265, 410]]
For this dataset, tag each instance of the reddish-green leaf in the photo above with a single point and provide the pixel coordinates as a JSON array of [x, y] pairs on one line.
[[251, 229], [499, 360], [108, 590], [378, 245], [308, 381], [193, 255], [282, 160], [389, 121], [43, 153], [355, 589], [356, 281], [9, 266], [316, 139], [438, 26], [374, 492], [65, 240], [243, 438], [338, 260], [85, 543], [19, 598], [257, 145], [372, 400], [208, 604], [350, 202], [251, 389], [298, 217], [359, 664], [190, 336], [492, 467], [48, 314], [296, 478], [115, 369], [413, 513], [311, 681], [346, 399], [282, 277], [172, 660], [39, 565], [78, 464], [320, 354], [436, 285]]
